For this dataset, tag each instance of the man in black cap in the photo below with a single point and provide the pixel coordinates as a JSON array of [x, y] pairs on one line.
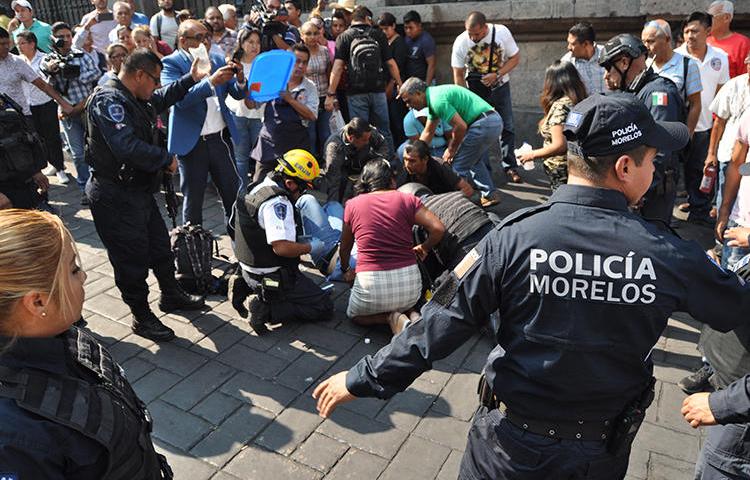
[[584, 288], [624, 62]]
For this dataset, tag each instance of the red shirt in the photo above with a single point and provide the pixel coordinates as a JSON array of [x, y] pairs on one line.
[[736, 46], [382, 225]]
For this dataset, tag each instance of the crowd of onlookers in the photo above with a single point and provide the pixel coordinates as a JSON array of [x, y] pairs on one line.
[[361, 91]]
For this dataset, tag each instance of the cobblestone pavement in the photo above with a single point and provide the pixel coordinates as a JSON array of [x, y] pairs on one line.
[[228, 404]]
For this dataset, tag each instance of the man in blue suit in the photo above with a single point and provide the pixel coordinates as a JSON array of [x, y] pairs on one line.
[[200, 126]]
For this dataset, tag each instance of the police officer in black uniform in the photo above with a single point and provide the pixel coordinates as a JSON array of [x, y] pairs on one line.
[[67, 409], [624, 60], [269, 240], [583, 288], [127, 157]]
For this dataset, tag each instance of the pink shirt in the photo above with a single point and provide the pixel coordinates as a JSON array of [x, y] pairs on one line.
[[382, 226], [741, 210]]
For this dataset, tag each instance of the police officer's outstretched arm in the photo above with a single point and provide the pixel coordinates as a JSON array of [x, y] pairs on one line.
[[173, 92], [730, 405], [458, 308]]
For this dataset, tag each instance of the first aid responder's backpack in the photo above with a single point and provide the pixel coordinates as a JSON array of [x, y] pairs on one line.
[[193, 247], [21, 148], [365, 63]]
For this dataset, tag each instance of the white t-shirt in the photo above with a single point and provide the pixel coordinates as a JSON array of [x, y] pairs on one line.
[[714, 72], [168, 28], [99, 32], [276, 217], [475, 57], [730, 103], [741, 210], [35, 96], [238, 107]]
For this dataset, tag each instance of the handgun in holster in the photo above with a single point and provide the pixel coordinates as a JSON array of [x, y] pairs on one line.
[[487, 397], [629, 421]]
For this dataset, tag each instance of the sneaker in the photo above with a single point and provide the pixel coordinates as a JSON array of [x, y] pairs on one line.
[[62, 176], [49, 171], [697, 382], [260, 313], [84, 200], [492, 199]]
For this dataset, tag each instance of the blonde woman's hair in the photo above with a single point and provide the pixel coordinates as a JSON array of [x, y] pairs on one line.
[[31, 260], [144, 29]]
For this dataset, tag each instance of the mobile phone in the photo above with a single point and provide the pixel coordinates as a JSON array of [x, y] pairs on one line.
[[104, 17]]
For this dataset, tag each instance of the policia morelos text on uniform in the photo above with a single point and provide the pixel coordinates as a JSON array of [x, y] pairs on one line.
[[67, 409], [583, 288], [127, 159]]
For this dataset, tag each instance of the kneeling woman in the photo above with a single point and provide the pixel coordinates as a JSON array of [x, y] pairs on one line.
[[67, 410], [380, 220]]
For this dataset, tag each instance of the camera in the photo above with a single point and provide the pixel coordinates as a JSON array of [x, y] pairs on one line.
[[268, 23], [68, 70]]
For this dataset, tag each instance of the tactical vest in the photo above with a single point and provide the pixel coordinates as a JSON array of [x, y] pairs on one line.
[[106, 411], [460, 217], [22, 151], [251, 246]]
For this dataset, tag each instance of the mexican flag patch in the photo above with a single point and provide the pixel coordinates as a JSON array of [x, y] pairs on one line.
[[659, 99]]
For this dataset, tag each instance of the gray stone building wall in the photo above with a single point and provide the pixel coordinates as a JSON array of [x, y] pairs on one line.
[[540, 29]]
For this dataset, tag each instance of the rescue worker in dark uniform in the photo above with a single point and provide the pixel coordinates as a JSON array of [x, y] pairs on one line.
[[624, 61], [128, 157], [583, 288], [67, 409], [269, 241]]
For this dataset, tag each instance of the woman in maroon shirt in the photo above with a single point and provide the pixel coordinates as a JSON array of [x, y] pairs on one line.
[[380, 220]]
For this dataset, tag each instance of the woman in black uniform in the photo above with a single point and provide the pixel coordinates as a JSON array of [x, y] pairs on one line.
[[67, 410]]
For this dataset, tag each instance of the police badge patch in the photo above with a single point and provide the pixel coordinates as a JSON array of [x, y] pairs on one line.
[[116, 112], [280, 210]]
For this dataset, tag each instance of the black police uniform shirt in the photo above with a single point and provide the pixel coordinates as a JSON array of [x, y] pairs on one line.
[[32, 447], [663, 100], [123, 130], [581, 305], [439, 177]]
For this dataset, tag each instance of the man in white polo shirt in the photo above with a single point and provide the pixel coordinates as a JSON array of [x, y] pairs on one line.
[[714, 69], [98, 24]]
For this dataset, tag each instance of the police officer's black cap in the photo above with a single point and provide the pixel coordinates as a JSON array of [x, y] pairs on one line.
[[603, 125], [618, 45]]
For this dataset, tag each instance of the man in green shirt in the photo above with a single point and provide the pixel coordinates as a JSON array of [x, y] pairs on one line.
[[25, 20], [476, 125]]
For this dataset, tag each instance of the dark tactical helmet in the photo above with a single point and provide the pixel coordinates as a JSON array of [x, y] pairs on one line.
[[618, 45]]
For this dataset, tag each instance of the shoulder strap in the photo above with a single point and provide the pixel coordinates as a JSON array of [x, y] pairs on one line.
[[685, 64], [254, 201], [158, 25], [492, 50]]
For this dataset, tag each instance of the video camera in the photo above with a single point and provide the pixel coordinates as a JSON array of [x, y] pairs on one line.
[[268, 23], [67, 69]]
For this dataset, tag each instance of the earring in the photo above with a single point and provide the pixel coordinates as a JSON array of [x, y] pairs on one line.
[[44, 314]]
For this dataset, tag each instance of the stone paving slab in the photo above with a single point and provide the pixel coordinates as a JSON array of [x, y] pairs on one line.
[[230, 405]]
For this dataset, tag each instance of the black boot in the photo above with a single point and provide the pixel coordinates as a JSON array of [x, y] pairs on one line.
[[260, 313], [175, 298], [238, 291], [147, 325]]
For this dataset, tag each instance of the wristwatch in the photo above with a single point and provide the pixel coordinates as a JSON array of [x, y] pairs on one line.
[[330, 94], [344, 270]]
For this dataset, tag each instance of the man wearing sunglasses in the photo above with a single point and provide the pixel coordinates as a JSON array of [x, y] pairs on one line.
[[127, 159], [624, 63]]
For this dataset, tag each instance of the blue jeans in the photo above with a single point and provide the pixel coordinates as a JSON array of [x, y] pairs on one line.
[[372, 107], [320, 130], [322, 222], [502, 102], [74, 136], [732, 255], [247, 133], [473, 157], [208, 156]]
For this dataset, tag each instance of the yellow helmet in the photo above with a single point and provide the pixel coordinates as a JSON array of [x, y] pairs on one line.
[[300, 164]]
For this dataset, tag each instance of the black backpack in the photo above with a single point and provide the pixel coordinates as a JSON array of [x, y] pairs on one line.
[[193, 249], [365, 63], [22, 151]]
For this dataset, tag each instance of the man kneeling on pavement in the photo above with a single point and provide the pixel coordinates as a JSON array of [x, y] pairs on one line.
[[270, 240]]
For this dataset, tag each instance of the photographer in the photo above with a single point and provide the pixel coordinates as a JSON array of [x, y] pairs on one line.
[[272, 20], [73, 74]]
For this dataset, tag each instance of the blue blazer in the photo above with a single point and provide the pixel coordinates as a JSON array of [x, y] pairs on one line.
[[188, 115]]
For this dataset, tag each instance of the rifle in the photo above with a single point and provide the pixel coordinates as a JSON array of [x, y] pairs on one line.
[[171, 198]]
